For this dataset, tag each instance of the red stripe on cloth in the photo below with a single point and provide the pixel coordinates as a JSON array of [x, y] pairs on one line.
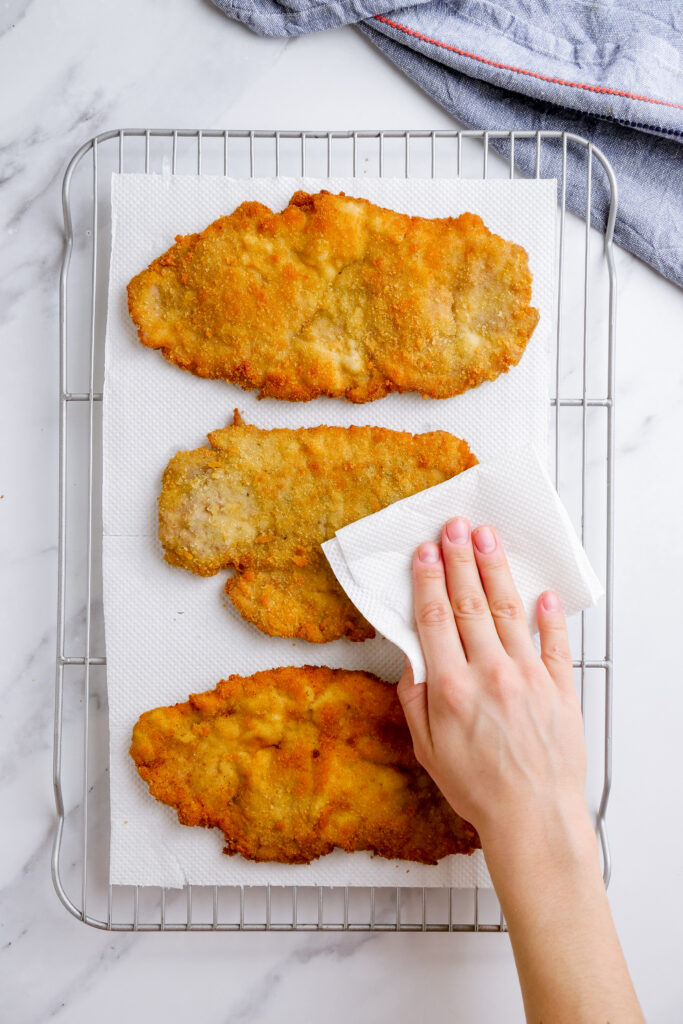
[[524, 71]]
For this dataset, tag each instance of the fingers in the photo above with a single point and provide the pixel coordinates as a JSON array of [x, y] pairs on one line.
[[413, 698], [435, 624], [466, 594], [505, 605], [555, 650]]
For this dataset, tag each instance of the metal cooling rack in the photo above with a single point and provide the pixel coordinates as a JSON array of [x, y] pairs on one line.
[[581, 416]]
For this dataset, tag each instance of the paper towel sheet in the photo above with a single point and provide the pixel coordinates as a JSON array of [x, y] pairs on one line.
[[169, 633], [372, 557]]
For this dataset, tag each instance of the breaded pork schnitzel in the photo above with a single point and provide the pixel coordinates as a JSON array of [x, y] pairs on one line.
[[262, 502], [293, 762], [336, 296], [298, 601]]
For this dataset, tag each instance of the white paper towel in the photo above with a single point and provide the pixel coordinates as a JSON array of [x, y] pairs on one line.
[[372, 557], [169, 633]]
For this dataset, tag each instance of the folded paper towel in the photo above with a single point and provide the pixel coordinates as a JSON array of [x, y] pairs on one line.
[[371, 558]]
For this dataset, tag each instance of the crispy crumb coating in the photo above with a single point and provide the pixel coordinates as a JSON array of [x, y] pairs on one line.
[[263, 501], [293, 762], [336, 296], [306, 603]]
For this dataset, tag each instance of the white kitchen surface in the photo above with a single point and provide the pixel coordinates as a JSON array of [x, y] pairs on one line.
[[68, 71]]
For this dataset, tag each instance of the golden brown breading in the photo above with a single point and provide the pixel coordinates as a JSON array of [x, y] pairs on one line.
[[262, 502], [305, 603], [336, 296], [293, 762]]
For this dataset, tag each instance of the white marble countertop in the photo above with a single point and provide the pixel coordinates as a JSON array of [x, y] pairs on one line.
[[67, 71]]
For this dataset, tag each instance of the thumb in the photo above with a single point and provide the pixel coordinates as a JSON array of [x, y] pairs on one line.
[[413, 698]]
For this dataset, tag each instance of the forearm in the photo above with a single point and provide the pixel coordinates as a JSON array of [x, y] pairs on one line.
[[571, 967]]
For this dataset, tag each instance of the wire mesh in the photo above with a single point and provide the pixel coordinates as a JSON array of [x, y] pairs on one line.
[[582, 424]]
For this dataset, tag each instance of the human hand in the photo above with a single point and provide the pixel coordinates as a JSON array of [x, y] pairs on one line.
[[497, 727], [499, 730]]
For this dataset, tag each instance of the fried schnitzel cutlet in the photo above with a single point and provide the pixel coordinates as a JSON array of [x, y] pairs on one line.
[[262, 502], [293, 762], [307, 603], [336, 296]]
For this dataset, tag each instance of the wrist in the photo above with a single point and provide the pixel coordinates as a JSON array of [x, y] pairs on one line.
[[554, 843]]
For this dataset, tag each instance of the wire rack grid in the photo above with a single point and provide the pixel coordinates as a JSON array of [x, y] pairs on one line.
[[581, 422]]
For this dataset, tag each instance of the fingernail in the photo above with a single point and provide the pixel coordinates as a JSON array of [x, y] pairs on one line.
[[550, 601], [458, 531], [428, 553], [484, 540]]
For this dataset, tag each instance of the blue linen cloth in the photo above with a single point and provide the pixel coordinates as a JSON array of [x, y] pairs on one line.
[[609, 70]]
